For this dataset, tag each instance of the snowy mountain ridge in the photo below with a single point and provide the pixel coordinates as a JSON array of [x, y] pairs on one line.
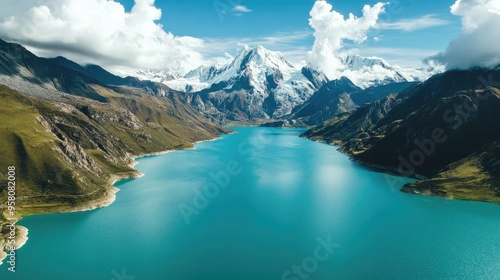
[[265, 84], [374, 71], [363, 71], [261, 84]]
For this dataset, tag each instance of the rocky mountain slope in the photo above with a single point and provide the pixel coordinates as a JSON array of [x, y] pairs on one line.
[[376, 93], [335, 98], [442, 131], [331, 99], [258, 84]]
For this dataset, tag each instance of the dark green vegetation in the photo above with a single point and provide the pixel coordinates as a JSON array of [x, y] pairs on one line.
[[70, 135], [443, 131]]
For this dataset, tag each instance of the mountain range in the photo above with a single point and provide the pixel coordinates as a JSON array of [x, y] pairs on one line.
[[259, 84], [368, 72]]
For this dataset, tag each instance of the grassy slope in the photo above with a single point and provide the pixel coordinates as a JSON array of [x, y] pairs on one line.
[[66, 156], [25, 144], [472, 178]]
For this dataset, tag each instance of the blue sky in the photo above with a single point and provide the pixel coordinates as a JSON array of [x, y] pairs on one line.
[[283, 25], [178, 36]]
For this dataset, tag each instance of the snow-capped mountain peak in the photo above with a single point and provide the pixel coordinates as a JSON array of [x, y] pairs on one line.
[[203, 73], [373, 71], [156, 75], [273, 86], [356, 62], [257, 62], [262, 57]]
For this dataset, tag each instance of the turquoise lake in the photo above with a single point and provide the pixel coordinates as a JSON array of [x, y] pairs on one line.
[[263, 204]]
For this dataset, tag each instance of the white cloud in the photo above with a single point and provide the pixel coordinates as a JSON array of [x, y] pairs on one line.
[[102, 32], [241, 9], [413, 24], [479, 43], [332, 29]]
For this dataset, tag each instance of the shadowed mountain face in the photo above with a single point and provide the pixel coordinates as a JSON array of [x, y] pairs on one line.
[[331, 99], [99, 74], [335, 98], [15, 60], [373, 94], [64, 75], [444, 129], [70, 130]]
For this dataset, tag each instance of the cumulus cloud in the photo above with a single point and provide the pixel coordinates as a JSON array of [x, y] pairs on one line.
[[479, 43], [332, 29], [102, 32]]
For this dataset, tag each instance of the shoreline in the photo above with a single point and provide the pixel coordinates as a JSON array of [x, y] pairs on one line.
[[389, 170], [394, 171], [101, 202], [134, 162], [21, 239]]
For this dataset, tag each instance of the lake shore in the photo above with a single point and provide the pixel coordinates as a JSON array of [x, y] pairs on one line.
[[409, 188], [106, 200]]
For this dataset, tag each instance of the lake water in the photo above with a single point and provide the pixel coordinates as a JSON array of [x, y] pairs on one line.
[[263, 204]]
